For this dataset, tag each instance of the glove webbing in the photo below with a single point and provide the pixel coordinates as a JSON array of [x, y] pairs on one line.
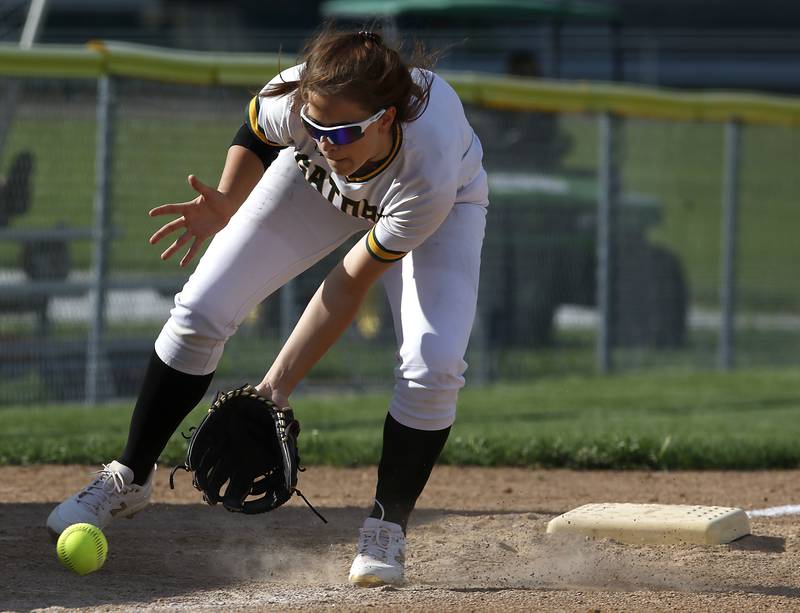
[[294, 489]]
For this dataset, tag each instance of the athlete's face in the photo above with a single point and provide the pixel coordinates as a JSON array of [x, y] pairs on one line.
[[335, 111]]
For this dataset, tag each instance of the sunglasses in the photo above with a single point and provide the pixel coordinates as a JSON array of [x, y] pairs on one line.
[[338, 135]]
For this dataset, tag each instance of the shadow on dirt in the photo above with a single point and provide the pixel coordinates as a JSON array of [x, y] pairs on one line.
[[767, 544]]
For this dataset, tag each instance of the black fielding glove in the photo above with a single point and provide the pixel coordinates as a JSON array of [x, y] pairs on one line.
[[248, 443]]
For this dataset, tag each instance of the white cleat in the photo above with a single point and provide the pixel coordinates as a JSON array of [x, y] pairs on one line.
[[112, 494], [381, 554]]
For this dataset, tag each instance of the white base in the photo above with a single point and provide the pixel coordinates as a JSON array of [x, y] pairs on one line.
[[658, 524]]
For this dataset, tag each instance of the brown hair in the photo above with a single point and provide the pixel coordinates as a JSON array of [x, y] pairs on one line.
[[362, 68]]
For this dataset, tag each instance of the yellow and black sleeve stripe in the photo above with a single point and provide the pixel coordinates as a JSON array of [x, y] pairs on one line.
[[379, 252], [251, 120]]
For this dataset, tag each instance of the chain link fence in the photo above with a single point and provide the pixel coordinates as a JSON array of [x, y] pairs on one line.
[[612, 243]]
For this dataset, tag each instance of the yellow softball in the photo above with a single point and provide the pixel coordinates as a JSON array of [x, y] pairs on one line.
[[82, 548]]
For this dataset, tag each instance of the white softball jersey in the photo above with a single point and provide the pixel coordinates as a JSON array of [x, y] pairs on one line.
[[426, 201], [435, 162]]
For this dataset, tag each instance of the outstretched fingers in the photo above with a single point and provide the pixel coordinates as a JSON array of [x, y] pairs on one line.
[[200, 187], [192, 252], [168, 228], [192, 217], [179, 242], [169, 209]]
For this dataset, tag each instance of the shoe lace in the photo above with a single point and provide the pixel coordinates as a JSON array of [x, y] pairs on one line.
[[96, 493], [375, 542]]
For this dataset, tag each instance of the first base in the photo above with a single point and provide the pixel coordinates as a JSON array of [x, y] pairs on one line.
[[656, 524]]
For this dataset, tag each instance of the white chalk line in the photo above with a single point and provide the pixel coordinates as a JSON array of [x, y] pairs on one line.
[[787, 509]]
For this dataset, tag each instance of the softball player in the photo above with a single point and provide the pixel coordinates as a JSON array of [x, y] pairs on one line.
[[353, 140]]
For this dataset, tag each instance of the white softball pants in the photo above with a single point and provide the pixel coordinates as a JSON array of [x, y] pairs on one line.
[[282, 229]]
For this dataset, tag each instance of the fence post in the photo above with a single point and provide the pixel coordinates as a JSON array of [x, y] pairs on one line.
[[106, 107], [730, 230], [607, 188]]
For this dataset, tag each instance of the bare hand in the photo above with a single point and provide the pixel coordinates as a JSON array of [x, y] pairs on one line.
[[199, 218]]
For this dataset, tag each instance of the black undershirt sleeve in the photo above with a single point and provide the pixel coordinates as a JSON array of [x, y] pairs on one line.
[[266, 153]]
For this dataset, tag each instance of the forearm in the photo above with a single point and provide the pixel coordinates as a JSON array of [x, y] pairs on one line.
[[243, 170], [332, 308]]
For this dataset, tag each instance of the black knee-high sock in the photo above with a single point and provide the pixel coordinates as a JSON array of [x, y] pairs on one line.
[[166, 397], [406, 462]]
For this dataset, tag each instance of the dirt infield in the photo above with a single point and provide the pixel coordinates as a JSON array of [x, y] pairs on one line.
[[476, 543]]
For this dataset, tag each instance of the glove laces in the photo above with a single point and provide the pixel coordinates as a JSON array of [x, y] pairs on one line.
[[310, 506]]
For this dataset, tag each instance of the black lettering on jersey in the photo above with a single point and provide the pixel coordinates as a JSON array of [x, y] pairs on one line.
[[370, 212], [316, 177], [350, 206], [333, 192], [302, 161]]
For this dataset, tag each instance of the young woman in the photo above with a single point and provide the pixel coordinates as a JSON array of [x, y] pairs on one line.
[[353, 140]]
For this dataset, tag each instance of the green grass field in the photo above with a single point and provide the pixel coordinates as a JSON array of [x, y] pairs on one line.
[[749, 419]]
